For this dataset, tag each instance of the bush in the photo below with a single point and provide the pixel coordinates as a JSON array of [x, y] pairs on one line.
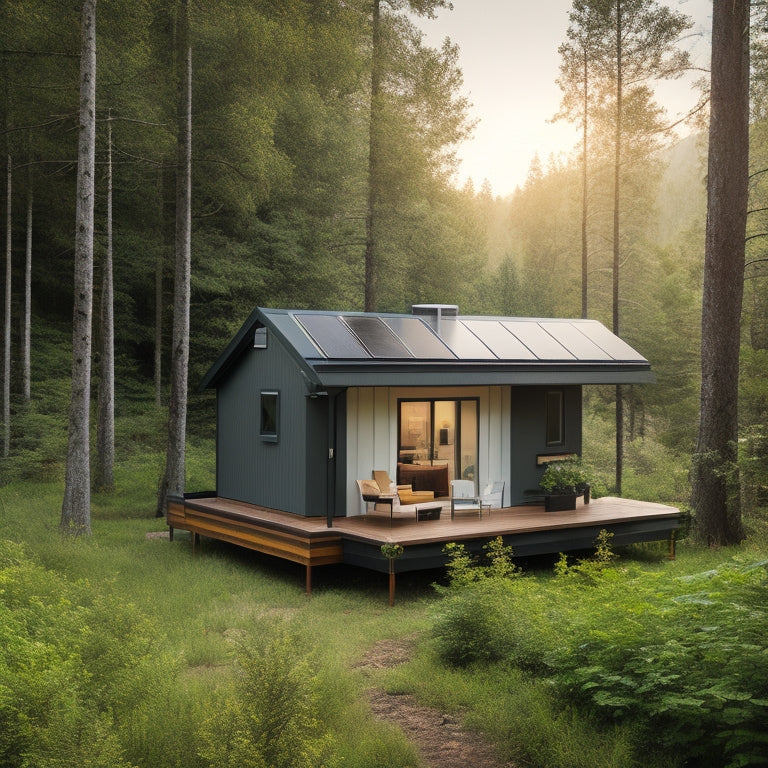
[[268, 720], [693, 672], [682, 662], [74, 663], [488, 614]]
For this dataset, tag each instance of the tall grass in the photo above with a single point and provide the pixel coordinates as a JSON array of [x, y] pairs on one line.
[[192, 608], [197, 605]]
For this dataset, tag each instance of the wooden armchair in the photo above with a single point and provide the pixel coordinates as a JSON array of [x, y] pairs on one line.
[[405, 493], [372, 495]]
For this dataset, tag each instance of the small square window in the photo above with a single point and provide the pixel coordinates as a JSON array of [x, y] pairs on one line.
[[555, 418], [270, 416], [260, 338]]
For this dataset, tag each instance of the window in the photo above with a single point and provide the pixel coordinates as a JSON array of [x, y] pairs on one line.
[[440, 433], [260, 338], [270, 414], [555, 418]]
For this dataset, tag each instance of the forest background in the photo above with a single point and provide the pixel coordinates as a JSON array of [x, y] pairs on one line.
[[282, 194], [102, 661]]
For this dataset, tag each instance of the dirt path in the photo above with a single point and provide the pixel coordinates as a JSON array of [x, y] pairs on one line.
[[441, 739]]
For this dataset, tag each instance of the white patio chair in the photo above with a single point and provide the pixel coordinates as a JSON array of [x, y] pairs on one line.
[[493, 495], [464, 498]]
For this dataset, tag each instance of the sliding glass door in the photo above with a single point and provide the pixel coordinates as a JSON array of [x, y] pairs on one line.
[[439, 432]]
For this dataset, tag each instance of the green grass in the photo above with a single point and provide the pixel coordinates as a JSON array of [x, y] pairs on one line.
[[203, 605]]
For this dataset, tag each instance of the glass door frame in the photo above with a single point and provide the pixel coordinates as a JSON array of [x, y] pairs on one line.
[[433, 431]]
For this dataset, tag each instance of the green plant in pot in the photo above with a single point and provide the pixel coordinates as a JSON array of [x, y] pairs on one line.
[[562, 482]]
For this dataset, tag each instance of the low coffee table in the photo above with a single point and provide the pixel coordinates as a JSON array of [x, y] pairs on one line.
[[428, 512]]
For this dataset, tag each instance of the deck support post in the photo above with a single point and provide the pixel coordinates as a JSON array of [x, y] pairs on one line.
[[672, 545], [308, 579]]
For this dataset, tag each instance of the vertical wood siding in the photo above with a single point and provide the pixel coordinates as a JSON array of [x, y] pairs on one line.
[[371, 433], [249, 469], [528, 420]]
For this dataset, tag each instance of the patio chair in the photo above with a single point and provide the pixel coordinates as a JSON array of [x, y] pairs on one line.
[[405, 492], [464, 498], [372, 495], [493, 495]]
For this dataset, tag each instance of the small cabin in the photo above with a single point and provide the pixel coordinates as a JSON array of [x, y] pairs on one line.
[[308, 402]]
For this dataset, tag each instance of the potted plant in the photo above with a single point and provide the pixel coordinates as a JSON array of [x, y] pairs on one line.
[[563, 482]]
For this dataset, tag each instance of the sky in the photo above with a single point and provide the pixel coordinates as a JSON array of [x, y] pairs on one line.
[[508, 54]]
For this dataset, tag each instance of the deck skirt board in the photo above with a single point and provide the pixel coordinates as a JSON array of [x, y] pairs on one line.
[[254, 533], [357, 540]]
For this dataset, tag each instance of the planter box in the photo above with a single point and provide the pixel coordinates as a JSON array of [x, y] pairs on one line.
[[560, 502]]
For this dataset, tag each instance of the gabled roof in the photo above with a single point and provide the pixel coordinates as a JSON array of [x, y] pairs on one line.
[[438, 347]]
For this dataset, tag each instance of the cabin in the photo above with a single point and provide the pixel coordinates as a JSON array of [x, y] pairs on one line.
[[310, 402]]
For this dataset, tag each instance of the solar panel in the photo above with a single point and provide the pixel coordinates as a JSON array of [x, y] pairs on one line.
[[537, 340], [462, 342], [332, 336], [607, 341], [579, 345], [502, 342], [419, 339], [379, 340]]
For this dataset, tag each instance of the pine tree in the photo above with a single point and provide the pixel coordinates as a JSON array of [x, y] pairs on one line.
[[716, 493], [76, 507]]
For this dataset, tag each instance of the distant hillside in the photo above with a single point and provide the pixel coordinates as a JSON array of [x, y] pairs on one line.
[[682, 198]]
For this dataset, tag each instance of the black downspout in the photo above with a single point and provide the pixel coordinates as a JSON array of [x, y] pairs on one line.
[[330, 501]]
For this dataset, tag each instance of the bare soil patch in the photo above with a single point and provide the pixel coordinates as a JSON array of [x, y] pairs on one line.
[[441, 739]]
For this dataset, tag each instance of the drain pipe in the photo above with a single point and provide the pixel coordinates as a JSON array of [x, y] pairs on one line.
[[330, 484]]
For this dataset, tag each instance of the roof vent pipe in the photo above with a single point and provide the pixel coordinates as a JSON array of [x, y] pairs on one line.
[[434, 313]]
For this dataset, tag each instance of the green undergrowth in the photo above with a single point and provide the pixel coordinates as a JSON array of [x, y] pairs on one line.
[[564, 666], [180, 629], [650, 664]]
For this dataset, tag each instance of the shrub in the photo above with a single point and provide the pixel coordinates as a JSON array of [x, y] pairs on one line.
[[692, 670], [484, 617], [268, 719], [73, 665], [567, 476]]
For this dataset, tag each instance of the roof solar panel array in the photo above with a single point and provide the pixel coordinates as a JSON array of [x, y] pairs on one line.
[[407, 337]]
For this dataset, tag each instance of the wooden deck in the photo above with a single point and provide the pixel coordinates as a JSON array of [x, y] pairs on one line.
[[357, 540]]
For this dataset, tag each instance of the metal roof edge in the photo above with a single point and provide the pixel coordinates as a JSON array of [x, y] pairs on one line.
[[304, 365], [238, 343], [378, 378], [242, 340]]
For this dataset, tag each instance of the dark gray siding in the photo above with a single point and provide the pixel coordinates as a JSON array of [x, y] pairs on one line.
[[528, 435], [271, 474], [324, 472], [316, 457]]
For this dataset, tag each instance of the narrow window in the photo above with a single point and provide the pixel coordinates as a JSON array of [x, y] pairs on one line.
[[555, 418], [270, 414], [260, 338]]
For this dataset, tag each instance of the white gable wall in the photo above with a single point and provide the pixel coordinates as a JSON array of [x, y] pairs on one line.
[[372, 432]]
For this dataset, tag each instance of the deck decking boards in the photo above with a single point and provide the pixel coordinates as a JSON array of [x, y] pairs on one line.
[[357, 540]]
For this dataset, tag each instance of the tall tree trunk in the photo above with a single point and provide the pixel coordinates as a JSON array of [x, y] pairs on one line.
[[715, 496], [584, 195], [105, 432], [26, 334], [371, 256], [616, 242], [76, 507], [173, 480], [159, 263], [7, 315]]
